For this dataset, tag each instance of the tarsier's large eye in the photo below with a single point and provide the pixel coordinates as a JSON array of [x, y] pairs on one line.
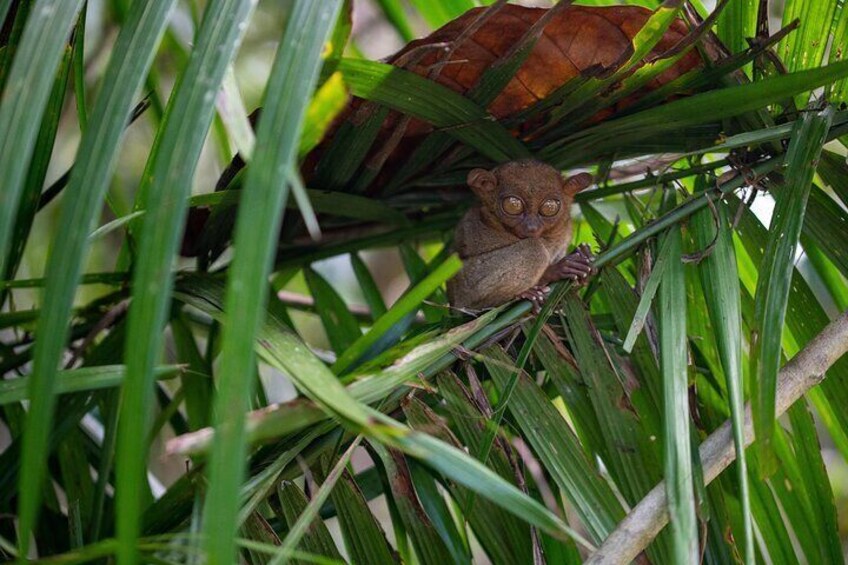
[[512, 205], [549, 208]]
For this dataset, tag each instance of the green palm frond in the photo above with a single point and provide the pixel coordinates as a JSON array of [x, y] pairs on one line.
[[304, 392]]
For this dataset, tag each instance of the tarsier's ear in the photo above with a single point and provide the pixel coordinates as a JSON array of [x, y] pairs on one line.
[[482, 182], [573, 185]]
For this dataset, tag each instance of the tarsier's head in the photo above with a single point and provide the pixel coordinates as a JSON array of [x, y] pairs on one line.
[[528, 198]]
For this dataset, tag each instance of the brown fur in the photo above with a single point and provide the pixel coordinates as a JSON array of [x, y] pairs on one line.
[[505, 255]]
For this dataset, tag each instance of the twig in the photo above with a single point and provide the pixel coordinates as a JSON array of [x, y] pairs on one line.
[[56, 188], [107, 321], [803, 372], [707, 250], [535, 469], [642, 166]]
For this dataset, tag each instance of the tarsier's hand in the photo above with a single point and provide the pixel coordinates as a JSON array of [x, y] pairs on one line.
[[577, 266], [536, 295]]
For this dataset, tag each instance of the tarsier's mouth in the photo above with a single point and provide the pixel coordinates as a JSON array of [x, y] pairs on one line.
[[532, 231], [524, 233]]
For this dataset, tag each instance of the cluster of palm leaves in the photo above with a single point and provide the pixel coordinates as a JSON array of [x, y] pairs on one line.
[[425, 435]]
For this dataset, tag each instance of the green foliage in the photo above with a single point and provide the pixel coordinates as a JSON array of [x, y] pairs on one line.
[[677, 447], [776, 270], [295, 384]]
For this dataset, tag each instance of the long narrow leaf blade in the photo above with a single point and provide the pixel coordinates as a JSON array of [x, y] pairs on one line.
[[458, 466], [775, 274], [24, 99], [673, 362], [339, 323], [505, 538], [736, 23], [305, 526], [429, 547], [77, 380], [647, 298], [4, 9], [293, 78], [164, 196], [406, 305], [720, 283], [421, 98], [38, 168], [363, 535], [98, 150], [708, 107], [557, 448]]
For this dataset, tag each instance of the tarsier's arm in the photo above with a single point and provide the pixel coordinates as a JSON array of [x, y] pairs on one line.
[[498, 276]]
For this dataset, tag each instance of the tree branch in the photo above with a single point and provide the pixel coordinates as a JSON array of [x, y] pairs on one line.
[[803, 372]]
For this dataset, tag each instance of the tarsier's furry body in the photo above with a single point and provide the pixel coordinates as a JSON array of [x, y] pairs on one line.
[[514, 243]]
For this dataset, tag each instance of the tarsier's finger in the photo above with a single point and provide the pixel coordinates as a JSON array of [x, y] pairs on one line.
[[583, 254], [536, 297], [569, 272], [576, 260], [535, 293], [586, 251], [580, 266]]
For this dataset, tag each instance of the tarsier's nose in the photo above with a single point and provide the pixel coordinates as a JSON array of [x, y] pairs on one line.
[[533, 228]]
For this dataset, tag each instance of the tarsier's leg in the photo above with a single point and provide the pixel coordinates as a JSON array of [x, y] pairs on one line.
[[496, 277], [577, 266]]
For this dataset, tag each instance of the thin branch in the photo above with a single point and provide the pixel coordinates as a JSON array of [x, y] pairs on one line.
[[107, 321], [803, 372]]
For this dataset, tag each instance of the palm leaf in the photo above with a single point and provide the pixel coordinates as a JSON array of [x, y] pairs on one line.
[[720, 284], [292, 80], [173, 160], [773, 283], [498, 438], [673, 361], [98, 151]]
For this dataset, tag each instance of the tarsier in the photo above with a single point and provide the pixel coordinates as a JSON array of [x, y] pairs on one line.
[[514, 243]]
